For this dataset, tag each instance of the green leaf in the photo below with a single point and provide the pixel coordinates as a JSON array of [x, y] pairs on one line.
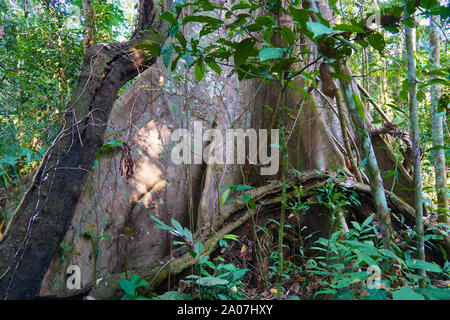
[[254, 27], [356, 225], [231, 237], [397, 108], [160, 224], [300, 16], [211, 281], [367, 221], [343, 294], [359, 106], [265, 21], [174, 295], [246, 198], [240, 6], [349, 28], [215, 67], [202, 19], [167, 54], [406, 293], [244, 49], [225, 196], [433, 293], [271, 53], [429, 4], [318, 29], [241, 187], [173, 30], [375, 294], [168, 16], [349, 44], [443, 11], [366, 258], [444, 82], [438, 148], [252, 203], [177, 225], [129, 286], [288, 35], [376, 40], [427, 266], [142, 298], [199, 71]]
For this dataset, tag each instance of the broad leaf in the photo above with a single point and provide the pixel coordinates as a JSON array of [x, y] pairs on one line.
[[174, 295], [199, 70], [349, 28], [270, 53], [406, 293], [359, 106], [318, 29], [288, 35], [427, 266], [211, 281], [376, 40], [244, 49]]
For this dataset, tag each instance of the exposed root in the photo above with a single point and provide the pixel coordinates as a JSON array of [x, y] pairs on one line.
[[234, 216]]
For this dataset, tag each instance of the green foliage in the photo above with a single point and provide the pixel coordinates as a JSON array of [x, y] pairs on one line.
[[353, 264], [214, 280], [173, 295], [217, 281], [109, 145], [39, 62], [130, 288], [344, 260], [41, 52], [232, 189], [40, 57]]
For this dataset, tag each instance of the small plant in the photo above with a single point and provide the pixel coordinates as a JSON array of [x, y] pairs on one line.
[[355, 266], [217, 281], [231, 188], [130, 288], [178, 231], [288, 268], [95, 240], [65, 248], [214, 280]]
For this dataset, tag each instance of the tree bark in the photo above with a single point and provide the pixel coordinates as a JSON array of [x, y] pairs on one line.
[[437, 130], [414, 118], [156, 273], [41, 220], [89, 24], [376, 182], [223, 101]]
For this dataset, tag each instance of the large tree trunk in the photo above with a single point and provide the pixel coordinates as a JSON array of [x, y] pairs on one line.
[[105, 203], [43, 217]]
